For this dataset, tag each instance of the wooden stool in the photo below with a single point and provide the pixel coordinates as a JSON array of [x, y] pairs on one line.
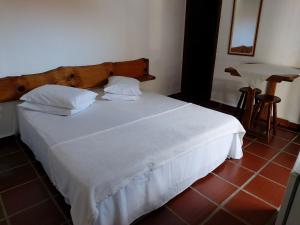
[[266, 102], [242, 101]]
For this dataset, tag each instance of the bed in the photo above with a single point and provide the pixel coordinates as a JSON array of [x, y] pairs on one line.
[[117, 161]]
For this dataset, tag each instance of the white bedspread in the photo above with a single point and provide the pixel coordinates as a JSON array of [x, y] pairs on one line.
[[103, 162], [117, 161]]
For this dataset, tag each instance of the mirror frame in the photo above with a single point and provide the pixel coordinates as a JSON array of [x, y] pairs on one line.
[[256, 31]]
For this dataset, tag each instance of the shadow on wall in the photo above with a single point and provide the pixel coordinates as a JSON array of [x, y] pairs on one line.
[[226, 91], [292, 95], [166, 36], [8, 119]]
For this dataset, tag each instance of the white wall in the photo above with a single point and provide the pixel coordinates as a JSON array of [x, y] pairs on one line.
[[40, 35], [278, 43]]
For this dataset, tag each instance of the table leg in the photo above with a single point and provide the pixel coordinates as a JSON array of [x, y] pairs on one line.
[[246, 119], [271, 88]]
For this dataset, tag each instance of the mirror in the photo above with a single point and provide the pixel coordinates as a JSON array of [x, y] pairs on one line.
[[244, 27]]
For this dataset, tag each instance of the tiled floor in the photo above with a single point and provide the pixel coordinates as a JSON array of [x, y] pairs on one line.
[[246, 191]]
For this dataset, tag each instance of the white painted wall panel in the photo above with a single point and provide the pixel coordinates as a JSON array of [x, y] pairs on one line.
[[36, 36]]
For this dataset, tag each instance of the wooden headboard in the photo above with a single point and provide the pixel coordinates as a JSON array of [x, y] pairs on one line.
[[12, 88]]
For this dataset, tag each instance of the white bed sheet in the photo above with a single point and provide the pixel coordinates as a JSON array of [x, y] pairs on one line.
[[144, 193]]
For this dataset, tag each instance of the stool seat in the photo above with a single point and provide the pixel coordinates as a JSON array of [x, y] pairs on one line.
[[268, 98], [245, 90]]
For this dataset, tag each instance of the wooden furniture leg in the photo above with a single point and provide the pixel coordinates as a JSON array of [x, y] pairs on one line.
[[240, 100], [257, 113], [266, 104], [246, 120], [274, 118], [269, 107], [239, 108], [271, 88], [245, 101]]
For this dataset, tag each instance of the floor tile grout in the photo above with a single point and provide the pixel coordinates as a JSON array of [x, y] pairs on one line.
[[51, 196], [273, 181], [242, 166], [281, 136], [296, 155], [278, 164], [223, 208], [29, 207], [284, 167], [257, 197], [4, 210], [216, 210], [253, 171], [253, 176], [288, 153], [235, 216], [250, 142], [222, 178], [9, 154], [270, 146], [18, 185], [175, 214], [287, 129], [272, 157], [245, 150], [240, 188], [13, 168]]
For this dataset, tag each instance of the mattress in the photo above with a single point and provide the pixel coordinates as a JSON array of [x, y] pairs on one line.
[[118, 160]]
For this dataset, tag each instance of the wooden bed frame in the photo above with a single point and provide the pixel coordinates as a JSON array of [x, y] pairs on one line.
[[12, 88]]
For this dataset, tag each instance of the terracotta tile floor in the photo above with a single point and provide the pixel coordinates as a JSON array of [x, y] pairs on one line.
[[239, 192]]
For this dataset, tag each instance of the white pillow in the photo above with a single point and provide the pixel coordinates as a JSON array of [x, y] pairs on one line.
[[60, 96], [111, 97], [54, 110], [123, 86]]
